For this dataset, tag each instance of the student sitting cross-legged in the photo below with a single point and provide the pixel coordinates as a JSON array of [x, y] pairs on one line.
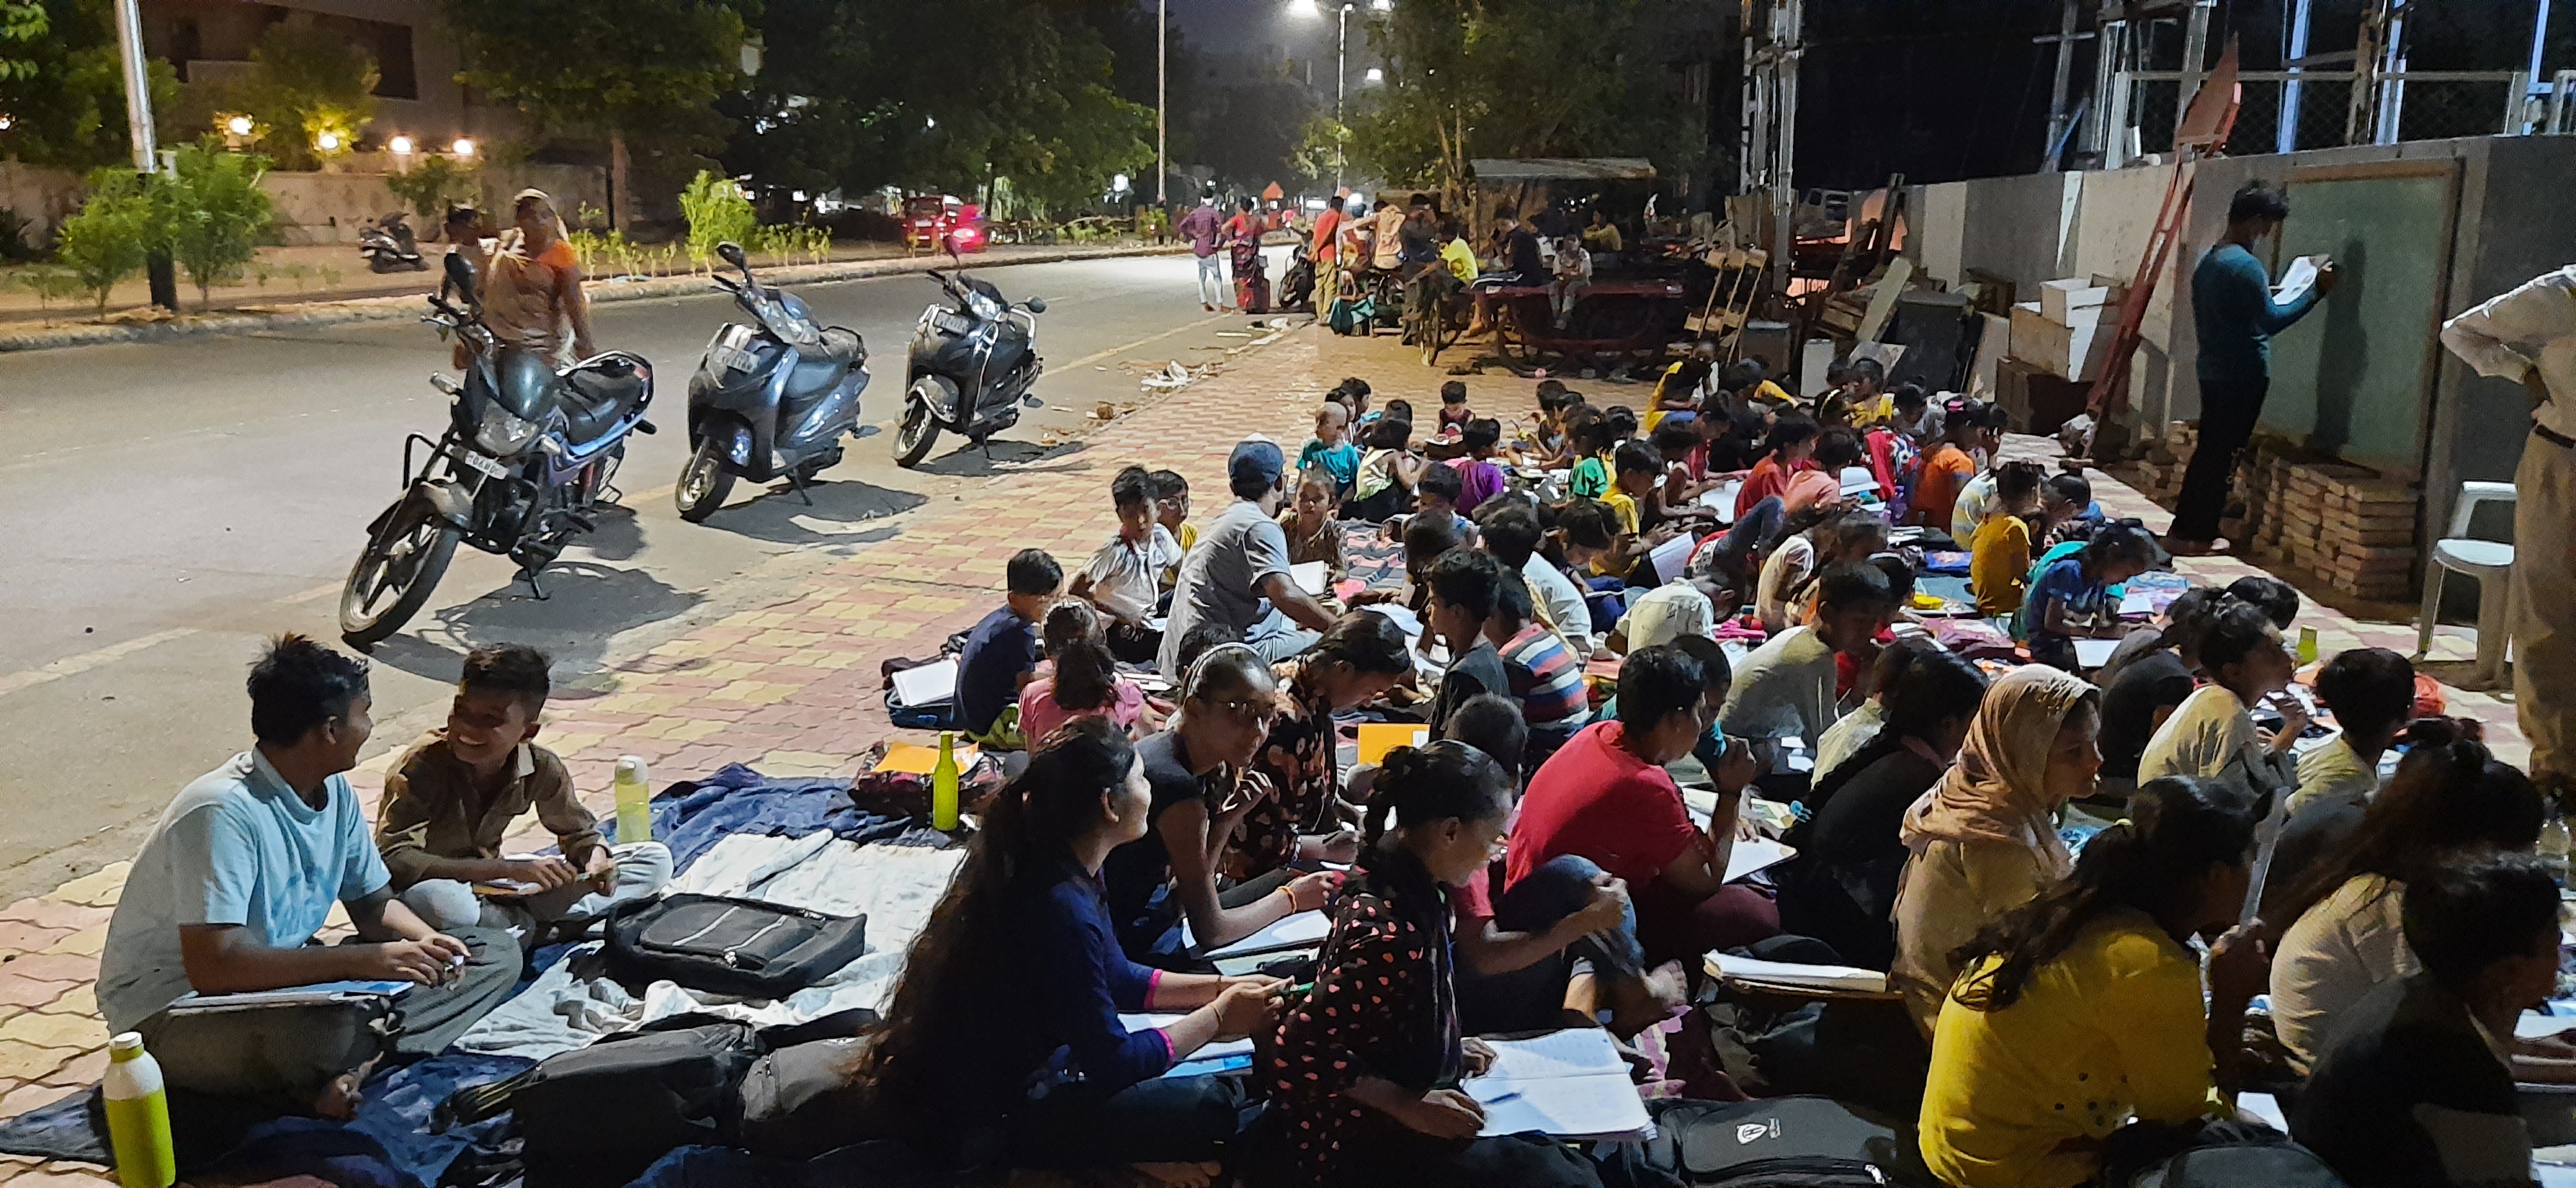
[[2074, 1048], [240, 873], [451, 800], [1364, 1073], [1007, 1012], [2412, 1090]]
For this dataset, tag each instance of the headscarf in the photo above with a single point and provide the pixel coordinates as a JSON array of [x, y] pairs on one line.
[[1997, 791]]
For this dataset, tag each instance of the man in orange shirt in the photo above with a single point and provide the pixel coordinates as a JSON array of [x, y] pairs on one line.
[[1971, 428]]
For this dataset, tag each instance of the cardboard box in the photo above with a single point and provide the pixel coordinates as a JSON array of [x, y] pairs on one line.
[[2061, 301], [2036, 401], [2068, 351]]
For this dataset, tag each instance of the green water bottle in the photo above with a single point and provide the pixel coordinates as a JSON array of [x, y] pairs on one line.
[[138, 1115], [2307, 645], [634, 800], [943, 785]]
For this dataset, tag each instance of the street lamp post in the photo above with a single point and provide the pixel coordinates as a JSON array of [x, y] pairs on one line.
[[1162, 68], [138, 124], [1341, 61]]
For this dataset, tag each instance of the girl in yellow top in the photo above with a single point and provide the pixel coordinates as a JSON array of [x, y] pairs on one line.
[[2073, 1048], [1999, 552]]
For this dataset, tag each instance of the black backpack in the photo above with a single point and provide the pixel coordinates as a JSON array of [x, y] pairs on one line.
[[721, 945], [1780, 1142]]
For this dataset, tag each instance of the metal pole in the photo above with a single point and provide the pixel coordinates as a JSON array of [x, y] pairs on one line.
[[1162, 67], [2287, 131], [2057, 97], [138, 125], [1341, 61], [2539, 34], [2195, 50]]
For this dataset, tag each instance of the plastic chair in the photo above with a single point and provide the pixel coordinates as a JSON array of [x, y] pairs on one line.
[[2486, 560]]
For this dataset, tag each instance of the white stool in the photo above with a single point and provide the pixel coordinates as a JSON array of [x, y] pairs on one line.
[[2486, 560]]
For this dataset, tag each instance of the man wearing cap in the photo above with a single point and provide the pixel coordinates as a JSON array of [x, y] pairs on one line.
[[2529, 335], [1237, 576], [532, 287]]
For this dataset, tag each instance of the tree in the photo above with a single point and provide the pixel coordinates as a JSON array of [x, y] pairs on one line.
[[64, 87], [433, 185], [1461, 87], [211, 213], [641, 73], [718, 212], [308, 87], [1323, 150], [866, 93], [108, 238]]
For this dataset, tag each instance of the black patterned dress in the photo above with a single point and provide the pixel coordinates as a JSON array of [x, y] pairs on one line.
[[1303, 764]]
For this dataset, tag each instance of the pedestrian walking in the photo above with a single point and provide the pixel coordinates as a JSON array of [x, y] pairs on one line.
[[2529, 335], [2233, 310]]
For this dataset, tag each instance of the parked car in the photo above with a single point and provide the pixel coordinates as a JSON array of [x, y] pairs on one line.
[[940, 223]]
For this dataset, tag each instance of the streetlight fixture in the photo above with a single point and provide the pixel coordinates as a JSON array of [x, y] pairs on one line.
[[1374, 76], [239, 125], [464, 146], [328, 142], [401, 146]]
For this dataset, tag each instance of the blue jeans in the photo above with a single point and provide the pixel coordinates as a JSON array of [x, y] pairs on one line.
[[1533, 997], [1608, 598], [1755, 527]]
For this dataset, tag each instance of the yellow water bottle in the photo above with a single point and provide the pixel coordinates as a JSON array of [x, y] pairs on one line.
[[138, 1115], [2307, 645], [943, 785], [634, 800]]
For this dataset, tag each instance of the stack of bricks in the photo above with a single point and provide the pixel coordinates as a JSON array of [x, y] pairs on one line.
[[2368, 546], [2264, 479], [2159, 477]]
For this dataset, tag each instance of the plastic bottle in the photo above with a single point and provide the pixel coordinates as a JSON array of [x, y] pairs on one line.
[[2307, 645], [943, 785], [634, 800], [2554, 845], [138, 1115]]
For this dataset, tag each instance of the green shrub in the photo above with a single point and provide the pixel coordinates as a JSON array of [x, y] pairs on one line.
[[435, 184], [213, 212], [110, 236], [718, 212]]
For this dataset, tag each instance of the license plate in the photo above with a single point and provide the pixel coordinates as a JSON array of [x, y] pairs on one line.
[[475, 461]]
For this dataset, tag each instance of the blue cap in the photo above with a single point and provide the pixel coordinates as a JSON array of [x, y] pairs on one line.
[[1256, 458]]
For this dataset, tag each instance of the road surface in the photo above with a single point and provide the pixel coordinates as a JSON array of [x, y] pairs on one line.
[[164, 506]]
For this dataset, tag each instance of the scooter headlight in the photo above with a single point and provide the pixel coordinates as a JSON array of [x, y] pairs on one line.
[[502, 434], [984, 307]]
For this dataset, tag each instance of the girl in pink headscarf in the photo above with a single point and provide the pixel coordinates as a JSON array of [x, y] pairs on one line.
[[1984, 839]]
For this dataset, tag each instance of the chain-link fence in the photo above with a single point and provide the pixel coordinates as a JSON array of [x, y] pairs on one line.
[[2428, 109]]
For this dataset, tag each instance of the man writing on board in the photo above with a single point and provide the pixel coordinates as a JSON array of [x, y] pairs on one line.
[[2233, 309], [2529, 335]]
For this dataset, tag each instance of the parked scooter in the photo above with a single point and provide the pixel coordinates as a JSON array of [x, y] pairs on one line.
[[388, 245], [770, 399], [971, 367], [526, 460]]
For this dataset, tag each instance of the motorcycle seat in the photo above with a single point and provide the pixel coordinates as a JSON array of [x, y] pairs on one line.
[[840, 346], [598, 393]]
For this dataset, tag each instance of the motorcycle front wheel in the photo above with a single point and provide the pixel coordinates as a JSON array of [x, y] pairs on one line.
[[395, 575], [704, 482], [919, 431]]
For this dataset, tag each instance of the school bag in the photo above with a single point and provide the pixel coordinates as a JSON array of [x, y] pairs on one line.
[[722, 945], [2278, 1164], [1779, 1142]]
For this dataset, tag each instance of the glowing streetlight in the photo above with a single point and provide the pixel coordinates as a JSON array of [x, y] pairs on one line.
[[1382, 5], [328, 142], [464, 146], [238, 125], [1374, 75], [401, 145]]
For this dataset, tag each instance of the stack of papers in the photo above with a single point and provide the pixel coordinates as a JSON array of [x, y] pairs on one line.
[[1304, 930], [931, 684], [315, 993], [1568, 1084], [1787, 975]]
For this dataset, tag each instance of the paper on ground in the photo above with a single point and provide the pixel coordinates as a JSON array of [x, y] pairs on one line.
[[1790, 973], [2136, 601], [929, 684], [1299, 931], [2094, 653], [1314, 577], [916, 759], [1673, 556], [1570, 1084]]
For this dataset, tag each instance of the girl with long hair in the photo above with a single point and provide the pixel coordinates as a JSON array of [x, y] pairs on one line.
[[2341, 926], [1363, 1080], [2074, 1044], [1361, 657], [1984, 840], [1007, 1012], [1841, 887], [1085, 680]]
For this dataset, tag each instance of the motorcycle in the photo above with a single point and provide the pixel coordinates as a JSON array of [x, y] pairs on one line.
[[388, 245], [970, 369], [770, 399], [527, 457]]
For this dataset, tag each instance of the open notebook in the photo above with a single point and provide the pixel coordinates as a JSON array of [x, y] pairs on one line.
[[1820, 979], [1215, 1057], [1304, 930], [1570, 1084]]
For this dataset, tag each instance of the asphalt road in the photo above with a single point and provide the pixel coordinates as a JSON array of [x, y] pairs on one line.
[[164, 506]]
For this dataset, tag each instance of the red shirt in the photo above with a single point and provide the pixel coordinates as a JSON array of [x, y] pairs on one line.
[[1768, 478], [1596, 800]]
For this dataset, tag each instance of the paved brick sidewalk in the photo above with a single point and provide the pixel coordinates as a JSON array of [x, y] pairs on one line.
[[792, 687]]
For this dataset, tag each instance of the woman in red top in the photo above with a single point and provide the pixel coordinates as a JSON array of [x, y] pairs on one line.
[[1792, 445]]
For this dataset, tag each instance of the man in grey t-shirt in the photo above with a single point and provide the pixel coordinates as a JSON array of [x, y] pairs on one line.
[[1237, 576]]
